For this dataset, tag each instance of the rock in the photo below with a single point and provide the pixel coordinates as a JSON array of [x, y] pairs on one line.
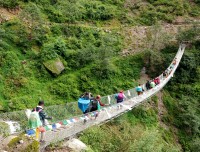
[[7, 140], [13, 126], [55, 66], [76, 145], [21, 141]]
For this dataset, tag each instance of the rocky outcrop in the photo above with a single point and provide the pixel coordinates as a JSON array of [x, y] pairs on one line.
[[55, 66], [76, 145]]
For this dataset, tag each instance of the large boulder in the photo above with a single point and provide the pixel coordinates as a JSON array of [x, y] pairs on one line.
[[76, 145], [55, 66]]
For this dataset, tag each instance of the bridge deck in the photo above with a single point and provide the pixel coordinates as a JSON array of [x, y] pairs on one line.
[[109, 112]]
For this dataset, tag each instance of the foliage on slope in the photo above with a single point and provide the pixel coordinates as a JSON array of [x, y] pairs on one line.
[[182, 98], [146, 12], [43, 31], [183, 101], [90, 57], [135, 131], [49, 29]]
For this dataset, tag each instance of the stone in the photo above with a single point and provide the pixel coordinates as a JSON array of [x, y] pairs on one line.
[[76, 145], [7, 140], [21, 141], [55, 66]]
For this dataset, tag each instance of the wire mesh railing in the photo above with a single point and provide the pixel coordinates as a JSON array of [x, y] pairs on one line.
[[71, 110]]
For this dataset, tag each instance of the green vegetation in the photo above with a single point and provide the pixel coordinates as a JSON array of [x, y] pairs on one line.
[[32, 147], [4, 128], [137, 130], [45, 30], [28, 145], [87, 37], [14, 142], [182, 101]]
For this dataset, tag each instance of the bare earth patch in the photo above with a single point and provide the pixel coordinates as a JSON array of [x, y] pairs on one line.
[[8, 14]]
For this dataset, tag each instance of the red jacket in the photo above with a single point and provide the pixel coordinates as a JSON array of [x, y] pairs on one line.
[[101, 104]]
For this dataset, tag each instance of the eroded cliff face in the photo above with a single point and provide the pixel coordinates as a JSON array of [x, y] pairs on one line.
[[157, 37]]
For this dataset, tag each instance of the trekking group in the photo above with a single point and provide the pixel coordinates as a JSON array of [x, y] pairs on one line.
[[87, 103]]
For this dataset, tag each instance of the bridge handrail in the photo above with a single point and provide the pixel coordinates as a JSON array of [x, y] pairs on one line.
[[131, 94]]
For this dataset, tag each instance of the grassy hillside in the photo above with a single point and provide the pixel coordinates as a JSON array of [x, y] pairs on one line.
[[85, 35], [88, 38], [138, 130], [149, 127]]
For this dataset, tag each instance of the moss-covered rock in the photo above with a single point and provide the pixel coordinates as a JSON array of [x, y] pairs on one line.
[[14, 142], [32, 147], [55, 66]]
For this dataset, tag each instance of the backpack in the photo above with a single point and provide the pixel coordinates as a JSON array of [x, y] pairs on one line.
[[34, 120], [120, 96], [28, 113], [95, 104]]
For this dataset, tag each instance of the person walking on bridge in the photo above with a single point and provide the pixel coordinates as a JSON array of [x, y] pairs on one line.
[[148, 85], [139, 89], [120, 98], [42, 114]]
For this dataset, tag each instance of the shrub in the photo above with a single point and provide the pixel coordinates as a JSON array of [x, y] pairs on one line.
[[66, 86], [4, 129], [9, 3], [13, 142], [32, 147], [98, 11]]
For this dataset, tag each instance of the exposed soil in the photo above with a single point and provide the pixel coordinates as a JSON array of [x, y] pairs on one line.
[[143, 76], [63, 149], [140, 38], [8, 14]]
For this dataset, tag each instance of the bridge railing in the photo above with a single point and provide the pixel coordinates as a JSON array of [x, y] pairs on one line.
[[109, 112], [70, 110]]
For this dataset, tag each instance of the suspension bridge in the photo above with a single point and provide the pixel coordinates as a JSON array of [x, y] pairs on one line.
[[70, 121]]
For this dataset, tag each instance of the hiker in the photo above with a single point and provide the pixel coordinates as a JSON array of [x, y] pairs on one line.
[[86, 96], [98, 97], [84, 102], [174, 61], [157, 81], [37, 120], [120, 96], [43, 116], [166, 73], [152, 84], [139, 89], [96, 104], [148, 85], [36, 124]]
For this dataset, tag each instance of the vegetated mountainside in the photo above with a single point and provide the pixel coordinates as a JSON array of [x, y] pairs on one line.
[[169, 122], [86, 36], [90, 39]]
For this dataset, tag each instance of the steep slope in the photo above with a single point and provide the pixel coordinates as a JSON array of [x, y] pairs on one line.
[[95, 40]]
